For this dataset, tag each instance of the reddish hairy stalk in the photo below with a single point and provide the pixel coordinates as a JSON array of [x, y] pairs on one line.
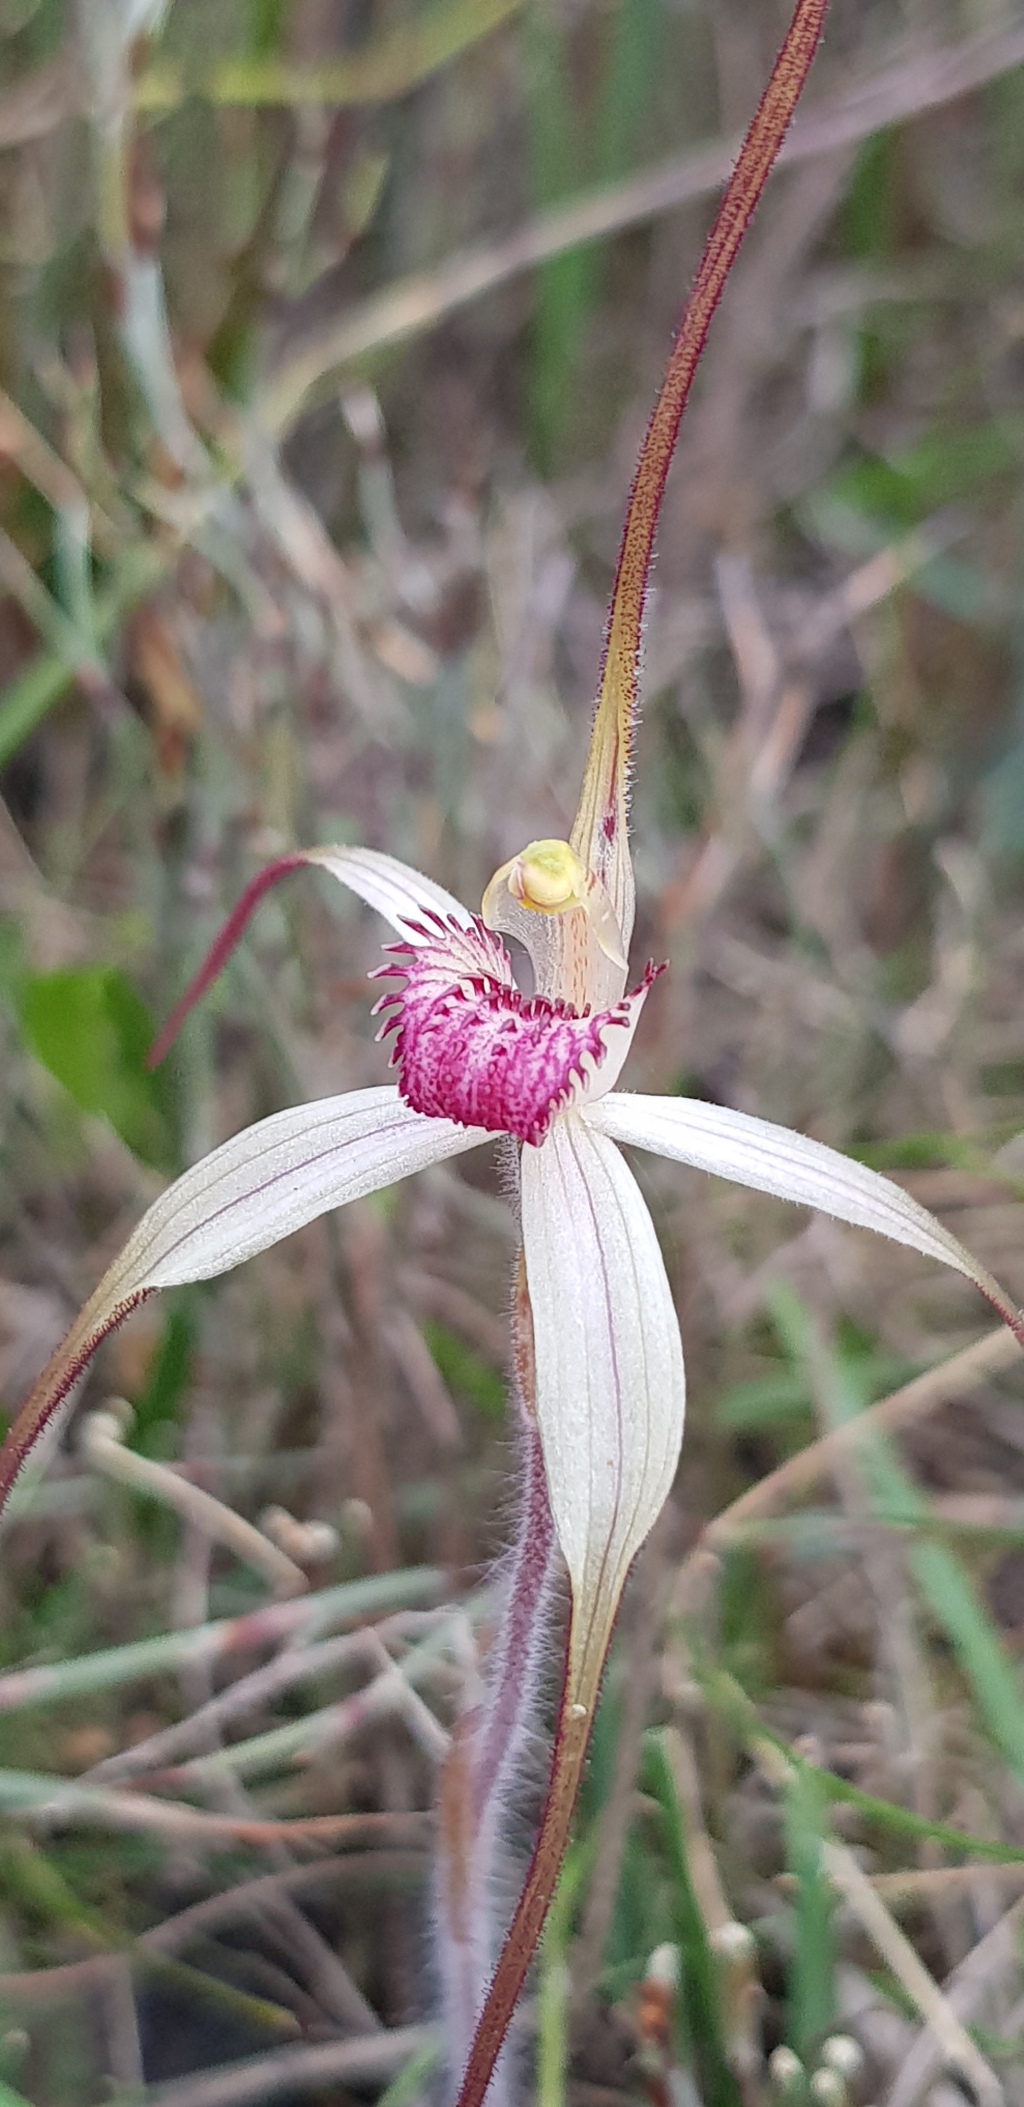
[[51, 1394], [599, 813], [220, 951], [571, 1739]]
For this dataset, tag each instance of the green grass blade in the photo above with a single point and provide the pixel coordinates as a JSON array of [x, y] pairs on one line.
[[811, 1995], [942, 1580], [700, 1992]]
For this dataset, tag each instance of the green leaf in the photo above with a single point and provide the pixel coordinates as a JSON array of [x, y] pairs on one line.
[[811, 1992], [942, 469], [958, 1610], [12, 962], [88, 1027], [554, 1982], [167, 1379], [465, 1372], [765, 1402], [736, 1707]]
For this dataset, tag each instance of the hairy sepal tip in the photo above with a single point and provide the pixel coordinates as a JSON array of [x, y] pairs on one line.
[[224, 943]]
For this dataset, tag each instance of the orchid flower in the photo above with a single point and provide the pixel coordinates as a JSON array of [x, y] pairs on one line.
[[475, 1058]]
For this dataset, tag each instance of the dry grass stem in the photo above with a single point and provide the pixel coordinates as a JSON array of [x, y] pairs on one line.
[[375, 2059], [927, 80], [956, 2047], [101, 1443]]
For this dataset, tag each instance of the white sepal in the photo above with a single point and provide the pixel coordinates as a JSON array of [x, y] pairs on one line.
[[772, 1159], [275, 1177], [393, 888], [610, 1389]]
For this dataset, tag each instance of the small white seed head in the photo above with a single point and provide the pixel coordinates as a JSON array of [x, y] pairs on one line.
[[843, 2054], [786, 2073], [663, 1966]]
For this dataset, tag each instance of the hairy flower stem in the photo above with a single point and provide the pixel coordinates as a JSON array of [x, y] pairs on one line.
[[478, 1786], [519, 1647], [571, 1739]]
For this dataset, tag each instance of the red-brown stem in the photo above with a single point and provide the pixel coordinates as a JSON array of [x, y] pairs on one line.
[[759, 149], [51, 1393], [220, 951], [571, 1738]]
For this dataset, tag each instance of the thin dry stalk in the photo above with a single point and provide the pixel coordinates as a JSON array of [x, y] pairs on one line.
[[920, 1883], [949, 1380], [957, 2049], [375, 2058], [295, 1664], [201, 1919], [978, 1974], [101, 1443]]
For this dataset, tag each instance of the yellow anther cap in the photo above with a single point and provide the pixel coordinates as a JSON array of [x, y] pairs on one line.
[[549, 878]]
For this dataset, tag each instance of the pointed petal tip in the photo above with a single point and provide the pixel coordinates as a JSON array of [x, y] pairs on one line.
[[773, 1159]]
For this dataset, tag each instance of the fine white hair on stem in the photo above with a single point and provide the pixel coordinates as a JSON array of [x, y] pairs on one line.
[[491, 1763]]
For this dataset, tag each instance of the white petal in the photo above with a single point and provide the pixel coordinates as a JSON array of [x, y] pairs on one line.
[[393, 888], [610, 1385], [255, 1189], [275, 1177], [774, 1160]]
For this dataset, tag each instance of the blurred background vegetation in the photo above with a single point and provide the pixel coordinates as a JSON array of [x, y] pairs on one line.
[[328, 329]]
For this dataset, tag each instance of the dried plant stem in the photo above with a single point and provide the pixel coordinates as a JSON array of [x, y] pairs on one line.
[[950, 1379], [247, 1693], [283, 2072], [861, 1896], [924, 80], [915, 1884], [55, 1802], [298, 1620], [102, 1447], [958, 2050]]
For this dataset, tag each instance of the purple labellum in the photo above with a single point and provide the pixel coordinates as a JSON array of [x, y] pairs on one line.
[[470, 1047]]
